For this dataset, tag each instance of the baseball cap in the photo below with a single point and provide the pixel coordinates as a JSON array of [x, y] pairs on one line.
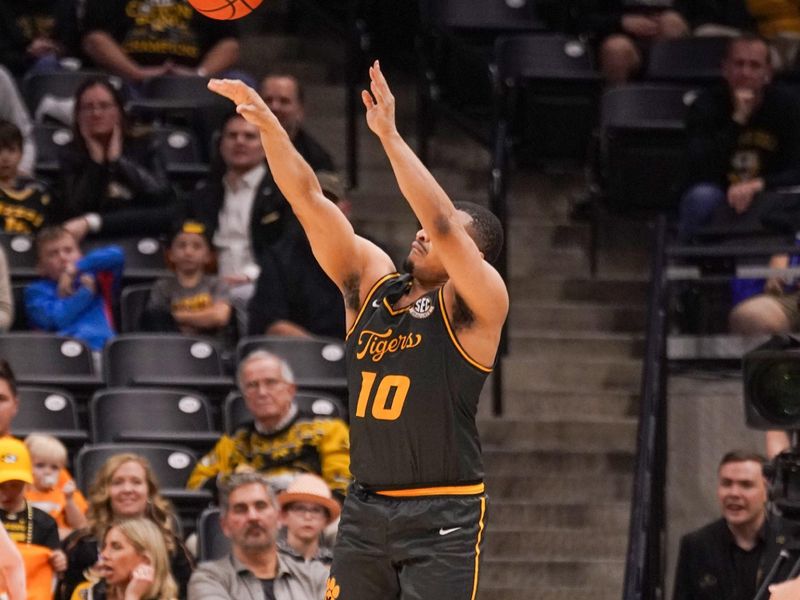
[[190, 226], [307, 487], [15, 461]]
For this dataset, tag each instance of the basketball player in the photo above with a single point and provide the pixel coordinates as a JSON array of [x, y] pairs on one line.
[[419, 346]]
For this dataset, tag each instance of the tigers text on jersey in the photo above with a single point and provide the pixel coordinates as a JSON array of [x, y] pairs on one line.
[[413, 394]]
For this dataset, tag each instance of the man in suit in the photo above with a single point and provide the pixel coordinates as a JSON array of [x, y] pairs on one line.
[[243, 211], [729, 557]]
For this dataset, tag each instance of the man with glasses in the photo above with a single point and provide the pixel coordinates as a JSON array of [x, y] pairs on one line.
[[280, 442], [255, 567]]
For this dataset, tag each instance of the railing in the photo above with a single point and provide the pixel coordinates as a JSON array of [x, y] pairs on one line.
[[643, 568]]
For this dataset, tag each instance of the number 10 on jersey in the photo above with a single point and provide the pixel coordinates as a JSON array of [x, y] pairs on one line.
[[387, 404]]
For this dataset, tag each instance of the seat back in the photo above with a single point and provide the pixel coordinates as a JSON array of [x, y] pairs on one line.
[[693, 60], [33, 355], [20, 251], [49, 140], [171, 465], [133, 301], [20, 322], [45, 409], [486, 15], [309, 404], [144, 256], [114, 410], [309, 358], [211, 542], [58, 84], [130, 356]]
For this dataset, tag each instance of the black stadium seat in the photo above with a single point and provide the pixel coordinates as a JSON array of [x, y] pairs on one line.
[[144, 256], [689, 60], [164, 360], [147, 415], [51, 411], [309, 404], [317, 363], [132, 302], [211, 542], [59, 84], [49, 359], [20, 251], [49, 140]]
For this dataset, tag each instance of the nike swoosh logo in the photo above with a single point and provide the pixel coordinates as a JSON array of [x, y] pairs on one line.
[[376, 303], [446, 531]]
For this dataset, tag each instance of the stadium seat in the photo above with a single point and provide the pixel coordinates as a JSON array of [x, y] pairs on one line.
[[211, 542], [20, 322], [58, 84], [547, 93], [20, 251], [48, 359], [144, 256], [51, 411], [317, 363], [133, 301], [164, 360], [309, 404], [146, 415], [182, 153], [49, 140], [688, 60]]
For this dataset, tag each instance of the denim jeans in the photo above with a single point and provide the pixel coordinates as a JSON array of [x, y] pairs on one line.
[[697, 206]]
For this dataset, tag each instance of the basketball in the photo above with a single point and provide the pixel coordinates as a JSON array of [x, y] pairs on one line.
[[225, 9]]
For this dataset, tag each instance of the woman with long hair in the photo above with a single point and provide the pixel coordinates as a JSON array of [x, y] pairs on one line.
[[113, 182], [124, 488], [134, 564]]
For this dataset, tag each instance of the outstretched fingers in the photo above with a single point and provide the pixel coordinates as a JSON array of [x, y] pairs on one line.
[[232, 89], [367, 99]]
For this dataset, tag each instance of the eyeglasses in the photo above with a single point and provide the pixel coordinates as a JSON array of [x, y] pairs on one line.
[[268, 383], [310, 509], [99, 107]]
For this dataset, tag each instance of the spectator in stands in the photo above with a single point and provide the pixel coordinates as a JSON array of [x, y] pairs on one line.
[[139, 40], [717, 17], [727, 558], [25, 202], [13, 109], [307, 508], [280, 442], [123, 488], [625, 30], [113, 183], [12, 568], [28, 35], [191, 302], [34, 531], [6, 297], [243, 211], [74, 297], [53, 490], [744, 138], [255, 568], [294, 297], [135, 565], [286, 99], [779, 22]]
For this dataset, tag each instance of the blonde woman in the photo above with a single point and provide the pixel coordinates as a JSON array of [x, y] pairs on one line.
[[134, 565], [124, 488]]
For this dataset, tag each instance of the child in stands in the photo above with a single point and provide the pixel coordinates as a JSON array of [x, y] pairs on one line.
[[53, 490]]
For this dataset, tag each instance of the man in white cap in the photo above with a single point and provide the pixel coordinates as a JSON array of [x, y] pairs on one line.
[[307, 508]]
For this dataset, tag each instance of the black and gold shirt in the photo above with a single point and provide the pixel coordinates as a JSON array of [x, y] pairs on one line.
[[413, 394], [25, 207]]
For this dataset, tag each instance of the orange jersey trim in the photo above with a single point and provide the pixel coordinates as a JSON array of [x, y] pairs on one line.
[[366, 301], [478, 549], [446, 490], [453, 338], [395, 312]]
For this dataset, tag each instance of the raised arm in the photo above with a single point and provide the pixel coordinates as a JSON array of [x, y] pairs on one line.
[[473, 279], [345, 257]]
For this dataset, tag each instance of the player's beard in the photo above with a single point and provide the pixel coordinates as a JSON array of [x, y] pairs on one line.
[[408, 265]]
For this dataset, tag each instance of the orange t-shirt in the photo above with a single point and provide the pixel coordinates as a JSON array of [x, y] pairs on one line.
[[53, 502]]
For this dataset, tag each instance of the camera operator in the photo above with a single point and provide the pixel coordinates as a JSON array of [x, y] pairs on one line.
[[729, 557]]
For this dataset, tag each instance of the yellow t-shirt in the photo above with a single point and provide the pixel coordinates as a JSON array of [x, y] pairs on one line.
[[775, 16]]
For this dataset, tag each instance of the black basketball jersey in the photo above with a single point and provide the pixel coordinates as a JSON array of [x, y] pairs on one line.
[[413, 395]]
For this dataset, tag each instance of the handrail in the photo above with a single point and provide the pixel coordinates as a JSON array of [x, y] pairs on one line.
[[643, 566]]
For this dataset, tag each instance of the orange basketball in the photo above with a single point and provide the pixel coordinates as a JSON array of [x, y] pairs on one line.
[[225, 9]]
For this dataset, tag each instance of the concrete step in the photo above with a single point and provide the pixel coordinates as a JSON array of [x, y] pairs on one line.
[[555, 544], [584, 436], [511, 461], [504, 592], [576, 316], [568, 574], [571, 345], [564, 405], [560, 488], [610, 290], [539, 236], [521, 373], [594, 516]]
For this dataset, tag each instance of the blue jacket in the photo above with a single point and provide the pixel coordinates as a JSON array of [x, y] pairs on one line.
[[82, 315]]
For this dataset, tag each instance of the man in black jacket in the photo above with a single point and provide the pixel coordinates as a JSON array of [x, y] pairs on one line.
[[729, 557]]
